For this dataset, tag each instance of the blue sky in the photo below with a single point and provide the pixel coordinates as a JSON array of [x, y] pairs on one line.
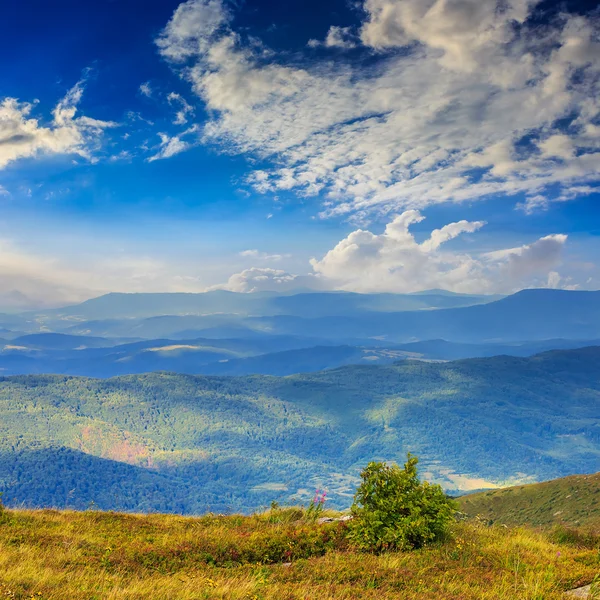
[[167, 146]]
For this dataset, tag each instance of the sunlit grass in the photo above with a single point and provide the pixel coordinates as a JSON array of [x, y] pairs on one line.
[[53, 555]]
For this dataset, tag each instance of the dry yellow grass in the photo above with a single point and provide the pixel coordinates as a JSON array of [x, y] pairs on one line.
[[51, 555]]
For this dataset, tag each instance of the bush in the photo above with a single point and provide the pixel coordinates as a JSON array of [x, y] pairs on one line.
[[571, 536], [393, 510]]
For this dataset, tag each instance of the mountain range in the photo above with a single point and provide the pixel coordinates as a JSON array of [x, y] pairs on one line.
[[226, 333]]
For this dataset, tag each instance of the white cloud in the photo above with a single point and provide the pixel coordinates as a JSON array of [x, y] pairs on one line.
[[171, 145], [364, 261], [146, 89], [258, 279], [468, 108], [517, 264], [541, 202], [394, 261], [185, 109], [22, 136], [465, 33], [257, 254], [337, 37], [559, 146], [191, 29]]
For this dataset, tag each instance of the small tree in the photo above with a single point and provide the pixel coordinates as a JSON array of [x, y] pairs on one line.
[[393, 510]]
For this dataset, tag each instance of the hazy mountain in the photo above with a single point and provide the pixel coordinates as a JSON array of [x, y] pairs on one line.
[[304, 360], [267, 354], [529, 314], [474, 423], [61, 341], [99, 357], [308, 304], [444, 350], [520, 325]]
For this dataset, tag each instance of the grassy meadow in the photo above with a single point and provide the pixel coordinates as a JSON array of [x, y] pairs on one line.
[[278, 555], [573, 501]]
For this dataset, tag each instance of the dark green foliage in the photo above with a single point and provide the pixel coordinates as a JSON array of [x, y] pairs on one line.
[[580, 538], [394, 510]]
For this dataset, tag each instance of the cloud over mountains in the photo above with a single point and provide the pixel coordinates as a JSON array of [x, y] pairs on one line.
[[416, 103], [394, 261]]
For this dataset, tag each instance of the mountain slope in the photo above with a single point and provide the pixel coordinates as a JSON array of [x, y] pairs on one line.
[[573, 500], [474, 423]]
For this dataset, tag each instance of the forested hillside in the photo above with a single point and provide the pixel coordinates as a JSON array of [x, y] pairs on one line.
[[186, 443]]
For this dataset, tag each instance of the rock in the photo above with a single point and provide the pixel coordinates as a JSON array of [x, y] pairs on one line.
[[582, 592], [334, 519]]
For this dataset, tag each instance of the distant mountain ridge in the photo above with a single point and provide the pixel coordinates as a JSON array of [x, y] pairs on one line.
[[266, 355], [340, 327], [339, 317], [305, 304], [529, 314]]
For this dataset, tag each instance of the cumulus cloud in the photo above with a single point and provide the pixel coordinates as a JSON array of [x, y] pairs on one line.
[[463, 100], [258, 279], [23, 136], [539, 257], [463, 32], [192, 28], [395, 261], [337, 37]]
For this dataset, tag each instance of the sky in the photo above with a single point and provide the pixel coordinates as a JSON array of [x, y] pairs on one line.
[[248, 145]]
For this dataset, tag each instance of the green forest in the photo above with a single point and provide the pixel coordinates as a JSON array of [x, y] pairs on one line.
[[191, 444]]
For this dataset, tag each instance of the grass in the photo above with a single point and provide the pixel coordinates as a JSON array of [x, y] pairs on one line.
[[572, 501], [278, 555]]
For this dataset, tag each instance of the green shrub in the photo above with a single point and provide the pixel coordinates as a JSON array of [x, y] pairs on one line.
[[580, 538], [3, 513], [393, 510]]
